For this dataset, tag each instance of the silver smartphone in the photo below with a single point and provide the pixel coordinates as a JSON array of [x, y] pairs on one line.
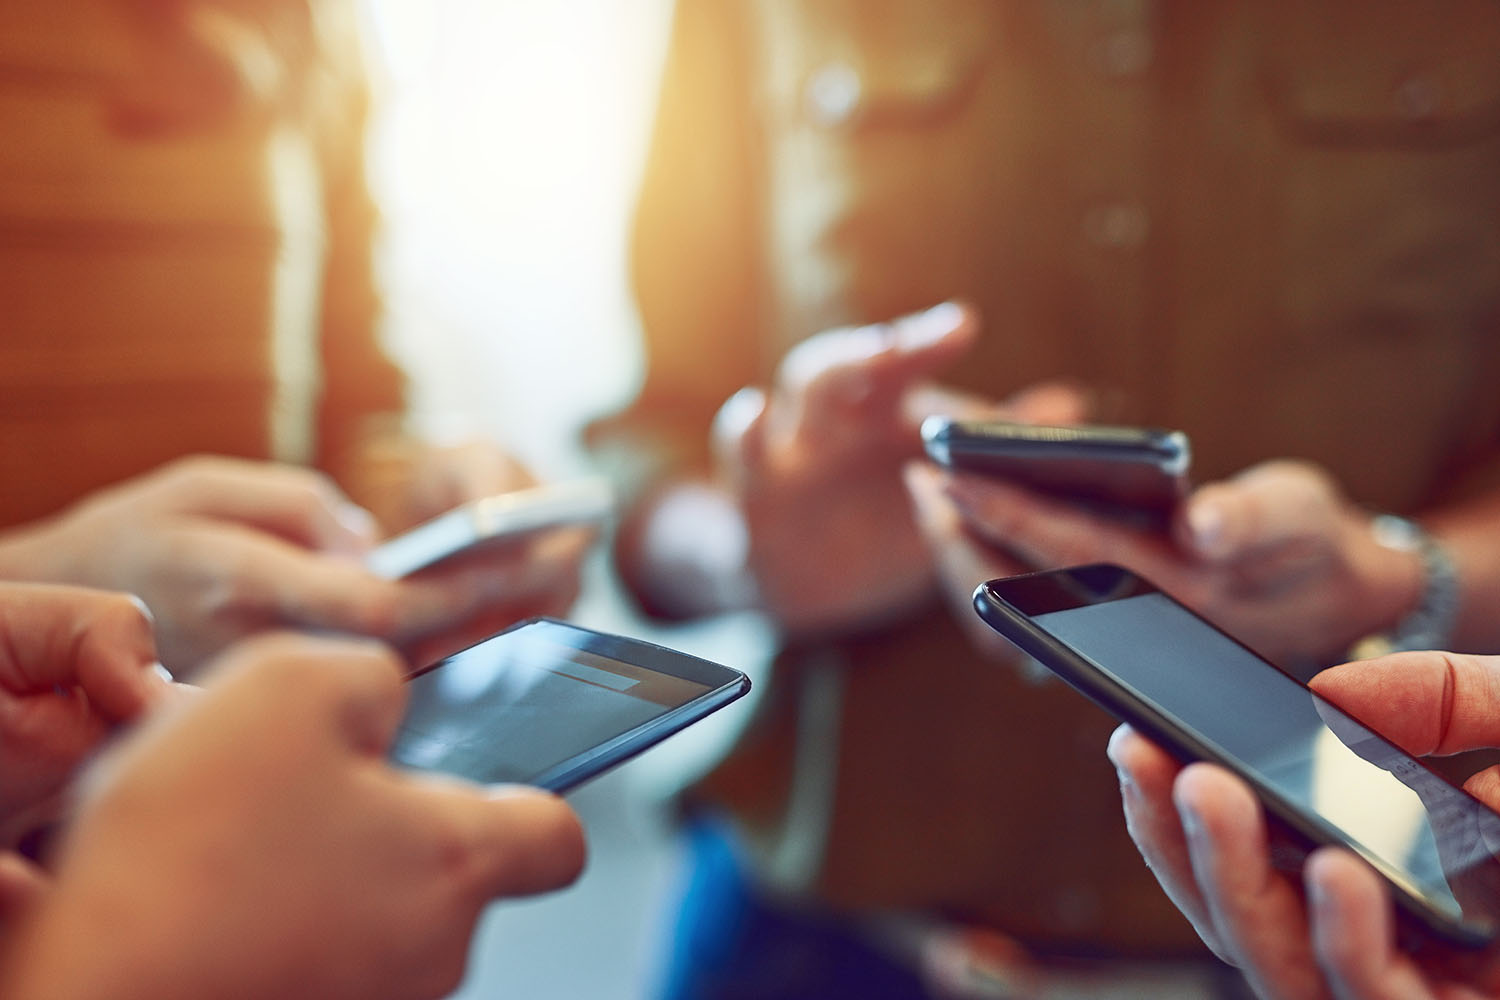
[[492, 520]]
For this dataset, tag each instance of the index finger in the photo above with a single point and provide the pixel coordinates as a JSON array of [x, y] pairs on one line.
[[297, 504], [1147, 774], [864, 371], [1424, 702]]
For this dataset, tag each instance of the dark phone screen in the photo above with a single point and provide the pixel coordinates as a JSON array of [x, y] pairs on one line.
[[517, 706], [1422, 832]]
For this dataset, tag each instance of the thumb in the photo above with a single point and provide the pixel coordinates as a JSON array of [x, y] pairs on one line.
[[519, 841], [63, 637], [1262, 507], [1424, 702], [739, 435]]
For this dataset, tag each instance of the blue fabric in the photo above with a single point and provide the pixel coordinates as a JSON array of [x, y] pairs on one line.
[[728, 942]]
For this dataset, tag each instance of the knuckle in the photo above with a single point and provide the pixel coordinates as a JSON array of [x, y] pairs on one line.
[[457, 855], [126, 612]]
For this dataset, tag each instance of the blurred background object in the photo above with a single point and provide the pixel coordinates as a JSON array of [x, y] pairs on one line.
[[505, 155]]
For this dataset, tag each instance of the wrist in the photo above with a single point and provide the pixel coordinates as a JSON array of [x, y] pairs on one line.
[[1424, 590]]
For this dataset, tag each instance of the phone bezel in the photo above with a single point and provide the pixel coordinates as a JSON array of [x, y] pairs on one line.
[[725, 685], [1045, 591]]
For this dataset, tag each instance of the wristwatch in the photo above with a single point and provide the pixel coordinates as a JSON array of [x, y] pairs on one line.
[[1430, 624]]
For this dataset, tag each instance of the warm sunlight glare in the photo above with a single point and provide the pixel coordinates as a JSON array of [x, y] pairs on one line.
[[508, 149]]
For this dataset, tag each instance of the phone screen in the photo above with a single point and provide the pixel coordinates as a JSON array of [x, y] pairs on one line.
[[1338, 780], [550, 704]]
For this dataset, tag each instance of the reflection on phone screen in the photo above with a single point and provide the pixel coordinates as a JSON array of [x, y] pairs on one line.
[[517, 707]]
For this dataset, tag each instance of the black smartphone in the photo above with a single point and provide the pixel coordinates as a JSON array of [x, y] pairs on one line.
[[1118, 469], [552, 704], [491, 520], [1324, 777]]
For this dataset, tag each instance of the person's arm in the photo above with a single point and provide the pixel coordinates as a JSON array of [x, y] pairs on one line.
[[255, 843], [1204, 836], [217, 548]]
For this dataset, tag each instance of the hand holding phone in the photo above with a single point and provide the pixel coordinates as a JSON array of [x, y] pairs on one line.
[[490, 521], [1323, 775], [1124, 469]]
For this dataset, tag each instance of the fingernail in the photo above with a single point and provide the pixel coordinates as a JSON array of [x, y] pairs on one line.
[[140, 602], [1112, 748], [1317, 892], [357, 521], [1192, 823], [1206, 522], [926, 328], [738, 412]]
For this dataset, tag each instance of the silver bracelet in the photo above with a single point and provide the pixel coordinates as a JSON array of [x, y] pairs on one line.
[[1430, 624]]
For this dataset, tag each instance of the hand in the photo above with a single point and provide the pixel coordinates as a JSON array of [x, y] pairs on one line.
[[256, 843], [74, 664], [1202, 832], [407, 481], [470, 597], [404, 480], [963, 560], [814, 469], [1276, 556], [218, 549]]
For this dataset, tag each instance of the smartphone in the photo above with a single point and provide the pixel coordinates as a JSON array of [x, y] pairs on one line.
[[552, 704], [492, 520], [1324, 777], [1118, 469]]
